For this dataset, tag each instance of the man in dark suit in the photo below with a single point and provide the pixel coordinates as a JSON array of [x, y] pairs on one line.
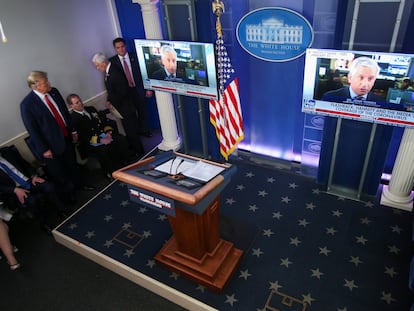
[[48, 122], [21, 187], [361, 78], [121, 96], [128, 64], [97, 139]]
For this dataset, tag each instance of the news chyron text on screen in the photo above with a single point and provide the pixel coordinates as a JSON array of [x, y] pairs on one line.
[[194, 71], [360, 85]]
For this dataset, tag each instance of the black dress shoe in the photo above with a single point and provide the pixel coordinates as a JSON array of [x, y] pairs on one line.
[[72, 200], [88, 188], [109, 177], [63, 215], [147, 134], [47, 229]]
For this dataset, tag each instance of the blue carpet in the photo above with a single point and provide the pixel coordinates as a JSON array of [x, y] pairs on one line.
[[303, 247]]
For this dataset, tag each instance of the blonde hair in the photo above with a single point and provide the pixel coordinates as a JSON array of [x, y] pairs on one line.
[[34, 77]]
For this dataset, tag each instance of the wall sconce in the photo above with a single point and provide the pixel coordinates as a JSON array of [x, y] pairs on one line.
[[3, 36]]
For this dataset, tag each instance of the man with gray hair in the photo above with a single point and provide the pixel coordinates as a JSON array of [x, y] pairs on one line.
[[169, 70], [362, 75], [121, 96]]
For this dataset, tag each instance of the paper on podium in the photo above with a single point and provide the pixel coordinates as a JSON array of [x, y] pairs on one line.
[[203, 171], [197, 170], [175, 166]]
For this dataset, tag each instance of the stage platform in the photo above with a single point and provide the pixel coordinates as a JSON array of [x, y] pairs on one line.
[[124, 237]]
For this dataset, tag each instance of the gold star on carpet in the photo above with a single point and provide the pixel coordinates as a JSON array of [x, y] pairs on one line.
[[330, 231], [355, 260], [360, 239], [268, 232], [240, 187], [277, 215], [393, 249], [286, 199], [324, 250], [350, 284], [390, 271], [285, 262], [257, 252], [275, 285], [316, 273], [231, 299], [303, 222], [295, 241], [337, 213], [308, 298], [244, 274], [310, 206], [396, 229], [387, 297], [365, 221]]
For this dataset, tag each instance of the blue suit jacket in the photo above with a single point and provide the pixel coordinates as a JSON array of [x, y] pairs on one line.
[[343, 94], [13, 156], [41, 125]]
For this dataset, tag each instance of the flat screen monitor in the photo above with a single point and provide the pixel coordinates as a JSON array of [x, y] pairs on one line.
[[179, 67], [359, 85]]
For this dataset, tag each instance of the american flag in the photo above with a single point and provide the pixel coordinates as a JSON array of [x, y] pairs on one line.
[[225, 113]]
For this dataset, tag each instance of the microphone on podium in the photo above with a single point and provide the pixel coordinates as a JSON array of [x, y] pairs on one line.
[[172, 164], [177, 167]]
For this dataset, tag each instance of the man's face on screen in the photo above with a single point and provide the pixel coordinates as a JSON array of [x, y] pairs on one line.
[[362, 80], [169, 61]]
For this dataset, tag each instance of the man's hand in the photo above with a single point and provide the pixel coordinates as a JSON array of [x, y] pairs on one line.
[[48, 154], [75, 137], [37, 180], [148, 93], [105, 140], [21, 194], [109, 106]]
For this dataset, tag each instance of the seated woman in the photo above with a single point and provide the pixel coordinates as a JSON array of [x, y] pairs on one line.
[[6, 246]]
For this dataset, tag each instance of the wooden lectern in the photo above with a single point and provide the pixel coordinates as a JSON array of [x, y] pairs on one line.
[[195, 249]]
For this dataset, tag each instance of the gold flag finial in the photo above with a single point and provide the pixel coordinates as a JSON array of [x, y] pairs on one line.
[[218, 9]]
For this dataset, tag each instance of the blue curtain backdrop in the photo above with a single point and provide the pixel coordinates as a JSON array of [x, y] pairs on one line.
[[270, 92]]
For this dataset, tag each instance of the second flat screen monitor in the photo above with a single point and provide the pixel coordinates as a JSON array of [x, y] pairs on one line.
[[179, 67]]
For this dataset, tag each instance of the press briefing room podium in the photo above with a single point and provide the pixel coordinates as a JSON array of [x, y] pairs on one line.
[[187, 189]]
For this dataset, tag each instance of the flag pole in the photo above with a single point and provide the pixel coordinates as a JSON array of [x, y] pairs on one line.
[[225, 112], [218, 10]]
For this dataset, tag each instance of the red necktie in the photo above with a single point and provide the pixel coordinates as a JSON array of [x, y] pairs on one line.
[[57, 116], [128, 74]]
